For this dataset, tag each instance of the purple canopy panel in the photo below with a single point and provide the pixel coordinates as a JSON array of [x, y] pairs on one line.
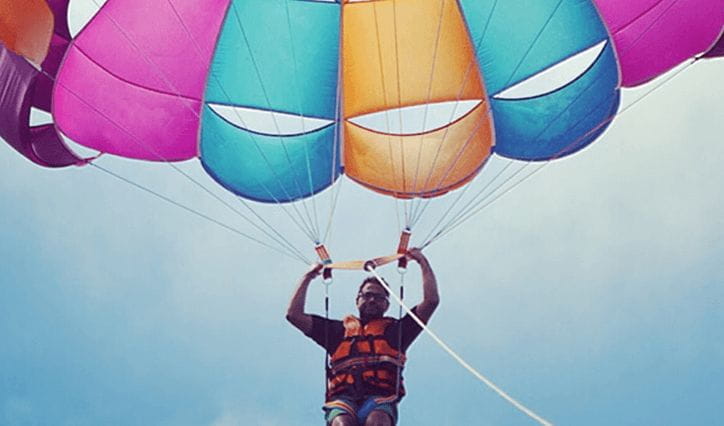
[[717, 50], [653, 36], [132, 81], [40, 144], [60, 12], [43, 93], [58, 45]]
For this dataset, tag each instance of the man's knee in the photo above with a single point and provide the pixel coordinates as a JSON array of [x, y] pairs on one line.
[[378, 418], [344, 420]]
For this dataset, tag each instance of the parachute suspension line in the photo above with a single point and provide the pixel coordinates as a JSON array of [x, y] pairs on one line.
[[301, 114], [450, 168], [315, 234], [526, 165], [551, 122], [268, 102], [241, 200], [406, 206], [461, 195], [470, 68], [387, 113], [336, 155], [483, 193], [176, 92], [557, 155], [399, 110], [265, 222], [479, 122], [305, 229], [478, 208], [300, 221], [286, 245], [335, 194], [512, 74], [532, 43], [457, 357], [429, 96], [491, 197], [173, 202]]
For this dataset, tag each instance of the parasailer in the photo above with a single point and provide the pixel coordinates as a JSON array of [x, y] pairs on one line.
[[366, 353]]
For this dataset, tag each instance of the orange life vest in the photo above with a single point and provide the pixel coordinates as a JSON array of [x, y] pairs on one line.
[[364, 363]]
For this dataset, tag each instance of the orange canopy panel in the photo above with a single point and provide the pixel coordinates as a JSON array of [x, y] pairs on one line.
[[26, 27], [416, 118]]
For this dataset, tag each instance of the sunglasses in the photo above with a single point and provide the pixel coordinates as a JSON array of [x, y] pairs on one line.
[[372, 295]]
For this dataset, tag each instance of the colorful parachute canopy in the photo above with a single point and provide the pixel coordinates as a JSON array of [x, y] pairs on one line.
[[31, 51], [278, 98], [653, 36]]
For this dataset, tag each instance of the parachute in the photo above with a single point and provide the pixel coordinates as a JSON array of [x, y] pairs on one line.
[[279, 98]]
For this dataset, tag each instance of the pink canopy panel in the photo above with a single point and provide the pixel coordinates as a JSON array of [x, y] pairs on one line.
[[132, 81], [653, 36]]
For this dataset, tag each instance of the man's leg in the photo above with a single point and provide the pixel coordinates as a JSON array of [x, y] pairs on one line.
[[378, 418], [344, 420]]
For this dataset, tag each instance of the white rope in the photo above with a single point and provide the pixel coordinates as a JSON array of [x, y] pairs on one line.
[[457, 357]]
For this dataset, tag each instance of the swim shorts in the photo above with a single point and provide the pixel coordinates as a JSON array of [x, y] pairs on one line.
[[360, 408]]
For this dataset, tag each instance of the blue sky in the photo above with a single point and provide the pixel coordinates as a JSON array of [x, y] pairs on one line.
[[593, 292]]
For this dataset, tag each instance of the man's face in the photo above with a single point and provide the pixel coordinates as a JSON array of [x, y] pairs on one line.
[[372, 301]]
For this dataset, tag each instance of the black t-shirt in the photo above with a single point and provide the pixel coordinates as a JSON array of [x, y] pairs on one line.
[[399, 335]]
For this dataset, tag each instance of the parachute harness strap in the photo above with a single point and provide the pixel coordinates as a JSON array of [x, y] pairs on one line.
[[399, 327], [402, 247], [326, 261], [457, 357]]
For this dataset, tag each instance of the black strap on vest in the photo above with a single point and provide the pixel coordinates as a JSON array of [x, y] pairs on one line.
[[398, 377], [327, 354]]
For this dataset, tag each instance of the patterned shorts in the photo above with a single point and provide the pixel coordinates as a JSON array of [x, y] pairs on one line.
[[360, 408]]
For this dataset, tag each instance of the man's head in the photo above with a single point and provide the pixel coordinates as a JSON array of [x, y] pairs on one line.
[[372, 299]]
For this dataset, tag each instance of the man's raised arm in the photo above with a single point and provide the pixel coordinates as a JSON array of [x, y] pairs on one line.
[[295, 312], [430, 295]]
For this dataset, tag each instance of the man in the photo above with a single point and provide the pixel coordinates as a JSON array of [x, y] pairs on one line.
[[364, 381]]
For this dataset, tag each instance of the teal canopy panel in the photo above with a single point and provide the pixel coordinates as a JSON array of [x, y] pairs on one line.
[[269, 127], [550, 71]]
